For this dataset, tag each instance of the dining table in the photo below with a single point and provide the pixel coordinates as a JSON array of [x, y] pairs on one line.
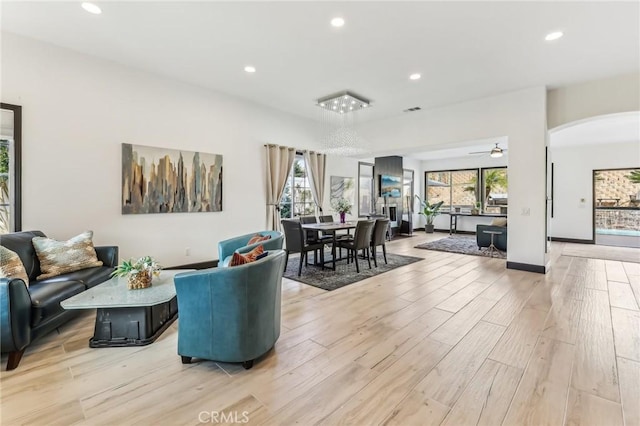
[[331, 228]]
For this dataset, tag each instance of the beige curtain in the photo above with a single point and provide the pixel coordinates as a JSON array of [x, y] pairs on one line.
[[279, 162], [316, 172]]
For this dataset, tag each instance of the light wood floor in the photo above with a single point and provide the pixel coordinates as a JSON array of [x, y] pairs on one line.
[[451, 340]]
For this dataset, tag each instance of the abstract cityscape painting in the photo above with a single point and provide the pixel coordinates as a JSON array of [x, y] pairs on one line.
[[161, 180]]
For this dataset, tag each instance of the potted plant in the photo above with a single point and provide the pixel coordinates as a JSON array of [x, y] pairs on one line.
[[429, 211], [342, 206], [476, 209], [139, 272]]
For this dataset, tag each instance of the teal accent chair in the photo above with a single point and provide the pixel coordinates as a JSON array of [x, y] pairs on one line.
[[240, 244], [230, 314]]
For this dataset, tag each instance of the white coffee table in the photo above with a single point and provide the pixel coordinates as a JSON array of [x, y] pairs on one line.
[[129, 317]]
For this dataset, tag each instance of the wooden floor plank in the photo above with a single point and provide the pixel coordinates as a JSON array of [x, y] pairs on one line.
[[629, 372], [454, 329], [615, 271], [584, 409], [542, 394], [486, 400], [621, 296], [594, 369], [416, 410], [516, 344], [563, 319], [626, 333]]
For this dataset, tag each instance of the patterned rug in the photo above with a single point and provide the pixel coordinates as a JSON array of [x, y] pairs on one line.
[[344, 274], [460, 244]]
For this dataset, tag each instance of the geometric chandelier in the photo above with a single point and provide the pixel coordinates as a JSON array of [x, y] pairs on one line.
[[339, 114]]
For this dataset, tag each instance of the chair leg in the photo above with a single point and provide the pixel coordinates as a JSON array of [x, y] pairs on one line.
[[306, 258], [355, 258], [368, 257], [375, 261], [322, 257], [14, 359], [300, 263], [384, 253], [247, 364], [186, 359], [286, 261]]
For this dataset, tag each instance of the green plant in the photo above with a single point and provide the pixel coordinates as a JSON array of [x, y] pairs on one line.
[[429, 211], [634, 176], [341, 205], [130, 267], [494, 178]]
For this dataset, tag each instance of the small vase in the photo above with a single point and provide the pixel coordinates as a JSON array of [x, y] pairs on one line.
[[139, 280], [343, 217]]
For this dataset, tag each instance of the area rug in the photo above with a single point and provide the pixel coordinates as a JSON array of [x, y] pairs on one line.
[[460, 244], [344, 274]]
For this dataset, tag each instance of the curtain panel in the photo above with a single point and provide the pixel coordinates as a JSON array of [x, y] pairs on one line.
[[279, 161], [316, 172]]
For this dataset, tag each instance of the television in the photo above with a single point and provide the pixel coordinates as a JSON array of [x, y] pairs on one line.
[[390, 186]]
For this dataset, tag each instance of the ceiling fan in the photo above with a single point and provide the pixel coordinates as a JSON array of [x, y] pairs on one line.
[[495, 152]]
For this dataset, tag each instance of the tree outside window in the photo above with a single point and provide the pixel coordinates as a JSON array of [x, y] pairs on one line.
[[297, 199]]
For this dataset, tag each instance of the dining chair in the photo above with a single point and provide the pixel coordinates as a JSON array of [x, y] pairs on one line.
[[296, 243], [326, 219], [379, 238], [361, 240]]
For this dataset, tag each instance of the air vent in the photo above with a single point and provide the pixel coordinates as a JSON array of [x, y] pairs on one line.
[[412, 109]]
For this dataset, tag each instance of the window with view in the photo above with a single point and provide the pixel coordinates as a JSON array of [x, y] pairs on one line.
[[494, 195], [457, 188], [297, 199]]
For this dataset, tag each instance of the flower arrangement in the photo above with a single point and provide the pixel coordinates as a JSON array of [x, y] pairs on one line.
[[138, 272], [341, 205]]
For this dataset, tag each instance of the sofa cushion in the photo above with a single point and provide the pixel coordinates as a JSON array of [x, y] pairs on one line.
[[240, 259], [257, 238], [46, 298], [11, 266], [20, 242], [499, 221], [90, 277], [60, 257]]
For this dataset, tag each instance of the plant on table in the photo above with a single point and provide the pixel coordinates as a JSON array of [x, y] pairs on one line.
[[429, 211], [139, 272], [342, 206]]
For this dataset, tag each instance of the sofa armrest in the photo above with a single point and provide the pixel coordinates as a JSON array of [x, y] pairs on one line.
[[108, 255], [15, 315]]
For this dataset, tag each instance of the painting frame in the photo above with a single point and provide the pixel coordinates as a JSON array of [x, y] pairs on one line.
[[342, 187], [390, 186]]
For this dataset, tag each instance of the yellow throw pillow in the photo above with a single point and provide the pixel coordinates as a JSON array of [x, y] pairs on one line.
[[60, 257], [11, 265], [499, 221]]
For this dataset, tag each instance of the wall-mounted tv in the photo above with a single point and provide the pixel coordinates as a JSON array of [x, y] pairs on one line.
[[390, 186]]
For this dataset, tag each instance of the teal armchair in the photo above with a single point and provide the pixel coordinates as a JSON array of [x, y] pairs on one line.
[[240, 244], [230, 314]]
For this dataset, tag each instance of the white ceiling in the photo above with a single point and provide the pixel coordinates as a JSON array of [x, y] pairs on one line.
[[464, 50]]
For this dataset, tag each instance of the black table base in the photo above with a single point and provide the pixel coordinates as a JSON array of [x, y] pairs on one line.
[[132, 326]]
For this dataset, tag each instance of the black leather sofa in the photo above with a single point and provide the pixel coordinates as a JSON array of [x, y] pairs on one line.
[[27, 313], [484, 240]]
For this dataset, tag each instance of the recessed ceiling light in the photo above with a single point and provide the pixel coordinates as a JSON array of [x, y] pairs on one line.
[[415, 76], [337, 22], [250, 69], [554, 35], [91, 8]]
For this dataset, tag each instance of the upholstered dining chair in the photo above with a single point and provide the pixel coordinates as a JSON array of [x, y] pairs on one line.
[[296, 243], [326, 219], [361, 241], [379, 238]]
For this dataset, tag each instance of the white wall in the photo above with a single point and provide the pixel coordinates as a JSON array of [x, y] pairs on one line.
[[593, 98], [469, 162], [521, 116], [573, 181], [78, 110]]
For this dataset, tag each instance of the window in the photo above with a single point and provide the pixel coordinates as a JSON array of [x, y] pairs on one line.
[[297, 199], [457, 188], [10, 137], [366, 189], [494, 196]]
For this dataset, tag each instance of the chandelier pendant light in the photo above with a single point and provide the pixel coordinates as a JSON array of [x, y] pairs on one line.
[[339, 113]]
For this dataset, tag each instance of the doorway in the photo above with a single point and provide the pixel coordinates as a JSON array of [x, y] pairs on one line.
[[616, 207]]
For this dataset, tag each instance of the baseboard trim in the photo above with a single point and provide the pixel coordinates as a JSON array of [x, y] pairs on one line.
[[199, 265], [539, 269], [571, 240]]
